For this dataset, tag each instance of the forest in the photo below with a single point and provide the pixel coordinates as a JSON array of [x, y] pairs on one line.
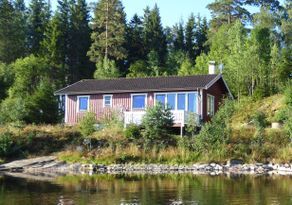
[[42, 50]]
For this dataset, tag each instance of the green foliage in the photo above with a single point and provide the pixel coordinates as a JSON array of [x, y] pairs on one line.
[[156, 122], [154, 38], [87, 124], [38, 18], [192, 124], [106, 69], [6, 80], [186, 68], [109, 32], [138, 69], [133, 132], [259, 120], [31, 96], [12, 32], [5, 143], [217, 131]]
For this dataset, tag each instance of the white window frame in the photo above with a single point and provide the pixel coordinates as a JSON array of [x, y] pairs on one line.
[[78, 101], [212, 107], [111, 101], [176, 94], [137, 94]]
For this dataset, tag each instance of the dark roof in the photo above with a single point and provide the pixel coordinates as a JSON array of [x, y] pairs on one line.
[[126, 85]]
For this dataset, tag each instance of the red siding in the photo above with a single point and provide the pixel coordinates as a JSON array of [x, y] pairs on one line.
[[122, 102], [218, 90]]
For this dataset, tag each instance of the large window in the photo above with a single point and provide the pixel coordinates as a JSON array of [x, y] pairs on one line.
[[171, 100], [83, 103], [161, 98], [139, 101], [107, 100], [181, 101], [178, 101], [210, 105], [192, 102]]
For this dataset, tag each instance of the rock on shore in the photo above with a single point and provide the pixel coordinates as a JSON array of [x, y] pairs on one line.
[[52, 165]]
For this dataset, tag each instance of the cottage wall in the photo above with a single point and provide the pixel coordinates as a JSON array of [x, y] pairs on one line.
[[120, 102], [219, 91]]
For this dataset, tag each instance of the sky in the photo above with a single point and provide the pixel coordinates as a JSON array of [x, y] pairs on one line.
[[171, 11]]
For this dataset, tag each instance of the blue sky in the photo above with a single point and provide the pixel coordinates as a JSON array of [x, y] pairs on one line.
[[171, 11]]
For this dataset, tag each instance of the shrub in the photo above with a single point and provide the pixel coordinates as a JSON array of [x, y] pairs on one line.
[[133, 132], [5, 143], [217, 131], [259, 120], [157, 122], [192, 124], [87, 124]]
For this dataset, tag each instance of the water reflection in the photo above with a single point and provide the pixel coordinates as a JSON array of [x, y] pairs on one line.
[[147, 189]]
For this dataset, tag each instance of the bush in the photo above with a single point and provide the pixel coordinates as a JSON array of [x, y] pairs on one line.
[[259, 120], [5, 143], [192, 124], [87, 124], [217, 131], [157, 122], [133, 132]]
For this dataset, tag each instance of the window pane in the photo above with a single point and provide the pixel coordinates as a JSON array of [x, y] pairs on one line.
[[160, 98], [192, 102], [139, 101], [107, 100], [181, 101], [171, 101], [83, 103]]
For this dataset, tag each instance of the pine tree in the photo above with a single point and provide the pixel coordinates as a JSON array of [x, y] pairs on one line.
[[39, 14], [178, 37], [227, 12], [190, 37], [154, 37], [79, 42], [12, 36], [135, 46], [109, 31], [201, 36]]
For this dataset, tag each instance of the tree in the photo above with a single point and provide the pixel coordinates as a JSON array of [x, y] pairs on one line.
[[154, 37], [190, 37], [227, 12], [38, 18], [139, 69], [135, 45], [67, 41], [6, 80], [201, 36], [31, 96], [79, 42], [106, 69], [186, 68], [12, 35], [109, 32], [178, 37], [157, 122]]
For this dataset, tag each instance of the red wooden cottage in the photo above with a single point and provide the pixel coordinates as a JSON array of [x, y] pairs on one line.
[[200, 94]]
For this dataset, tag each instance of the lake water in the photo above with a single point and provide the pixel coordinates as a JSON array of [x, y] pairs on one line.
[[146, 189]]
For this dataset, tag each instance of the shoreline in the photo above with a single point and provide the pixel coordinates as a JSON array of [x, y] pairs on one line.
[[51, 164]]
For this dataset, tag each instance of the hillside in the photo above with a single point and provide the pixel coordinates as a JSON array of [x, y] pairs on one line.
[[247, 108]]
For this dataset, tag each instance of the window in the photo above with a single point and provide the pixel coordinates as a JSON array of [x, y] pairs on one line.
[[181, 101], [210, 105], [139, 101], [192, 102], [107, 100], [171, 101], [160, 98], [83, 103]]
